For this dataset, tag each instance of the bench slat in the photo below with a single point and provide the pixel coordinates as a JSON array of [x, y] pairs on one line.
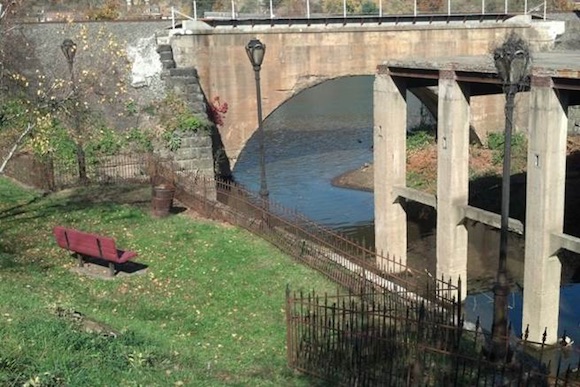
[[91, 245]]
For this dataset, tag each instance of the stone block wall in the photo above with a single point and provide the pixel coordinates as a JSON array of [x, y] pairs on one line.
[[152, 75], [196, 151]]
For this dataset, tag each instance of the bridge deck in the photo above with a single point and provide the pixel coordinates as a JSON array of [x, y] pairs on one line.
[[562, 65]]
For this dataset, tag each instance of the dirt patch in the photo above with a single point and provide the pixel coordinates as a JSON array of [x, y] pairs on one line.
[[422, 167], [134, 194], [99, 269]]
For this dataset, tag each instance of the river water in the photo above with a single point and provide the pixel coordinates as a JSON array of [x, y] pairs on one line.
[[318, 135], [326, 131]]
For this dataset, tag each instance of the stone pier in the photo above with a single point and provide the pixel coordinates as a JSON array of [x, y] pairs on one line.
[[546, 175], [452, 177], [389, 149]]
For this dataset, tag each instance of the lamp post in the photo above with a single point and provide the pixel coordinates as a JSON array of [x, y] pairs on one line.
[[69, 50], [256, 50], [512, 60]]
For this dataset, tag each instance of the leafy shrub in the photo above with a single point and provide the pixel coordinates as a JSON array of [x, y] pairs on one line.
[[369, 8], [109, 143], [496, 141], [140, 140], [175, 118], [418, 139], [109, 11]]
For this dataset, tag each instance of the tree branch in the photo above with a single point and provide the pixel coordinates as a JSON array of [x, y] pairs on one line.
[[28, 129]]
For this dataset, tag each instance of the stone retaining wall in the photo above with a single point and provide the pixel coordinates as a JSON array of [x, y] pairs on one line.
[[152, 74]]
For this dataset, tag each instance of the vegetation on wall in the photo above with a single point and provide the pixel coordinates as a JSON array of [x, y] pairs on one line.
[[69, 106], [108, 11], [519, 145], [175, 119], [217, 111], [79, 113]]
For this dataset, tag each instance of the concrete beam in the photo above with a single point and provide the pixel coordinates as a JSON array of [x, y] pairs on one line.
[[416, 195], [491, 219], [452, 178], [546, 174], [390, 168], [564, 241]]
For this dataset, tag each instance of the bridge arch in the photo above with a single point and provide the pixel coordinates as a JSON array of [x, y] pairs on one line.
[[302, 55], [298, 113]]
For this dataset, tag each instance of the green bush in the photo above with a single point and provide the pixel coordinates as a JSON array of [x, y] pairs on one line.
[[177, 119], [418, 139], [496, 141]]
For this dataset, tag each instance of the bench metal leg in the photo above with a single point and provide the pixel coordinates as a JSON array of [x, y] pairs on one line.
[[81, 261], [111, 269]]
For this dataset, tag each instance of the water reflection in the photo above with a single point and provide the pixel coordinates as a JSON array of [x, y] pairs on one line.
[[311, 141]]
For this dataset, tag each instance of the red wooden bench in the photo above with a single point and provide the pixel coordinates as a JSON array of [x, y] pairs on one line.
[[91, 245]]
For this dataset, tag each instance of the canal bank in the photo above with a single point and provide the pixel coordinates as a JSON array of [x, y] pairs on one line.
[[483, 250]]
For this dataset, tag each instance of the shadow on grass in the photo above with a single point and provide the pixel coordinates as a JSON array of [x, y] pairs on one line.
[[127, 268], [9, 261], [95, 198], [19, 208]]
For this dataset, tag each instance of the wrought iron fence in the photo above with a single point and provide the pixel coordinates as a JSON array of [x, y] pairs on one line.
[[100, 170], [340, 258], [393, 328], [373, 339]]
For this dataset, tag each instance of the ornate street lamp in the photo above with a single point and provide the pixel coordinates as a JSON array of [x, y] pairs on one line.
[[512, 61], [256, 50]]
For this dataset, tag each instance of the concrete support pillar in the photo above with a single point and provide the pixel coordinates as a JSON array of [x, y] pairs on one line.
[[546, 175], [389, 139], [452, 179]]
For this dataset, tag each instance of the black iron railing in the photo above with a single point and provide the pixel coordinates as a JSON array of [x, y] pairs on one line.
[[342, 259], [375, 340]]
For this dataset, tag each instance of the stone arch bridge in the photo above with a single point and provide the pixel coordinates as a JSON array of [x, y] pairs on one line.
[[304, 54]]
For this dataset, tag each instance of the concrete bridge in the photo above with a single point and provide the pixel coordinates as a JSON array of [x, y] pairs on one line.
[[555, 85], [305, 53]]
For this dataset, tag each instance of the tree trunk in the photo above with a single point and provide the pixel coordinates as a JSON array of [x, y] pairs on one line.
[[81, 161]]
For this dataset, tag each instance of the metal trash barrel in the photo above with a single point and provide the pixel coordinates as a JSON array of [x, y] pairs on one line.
[[162, 200]]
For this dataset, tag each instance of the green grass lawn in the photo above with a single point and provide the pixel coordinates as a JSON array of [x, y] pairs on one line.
[[209, 311]]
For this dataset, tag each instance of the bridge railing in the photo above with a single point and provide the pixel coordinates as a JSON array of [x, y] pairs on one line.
[[238, 10]]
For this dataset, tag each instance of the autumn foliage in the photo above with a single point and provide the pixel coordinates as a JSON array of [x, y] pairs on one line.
[[217, 111], [430, 5]]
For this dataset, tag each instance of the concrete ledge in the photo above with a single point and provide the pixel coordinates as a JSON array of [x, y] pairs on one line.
[[416, 195], [491, 219], [486, 217], [560, 240]]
